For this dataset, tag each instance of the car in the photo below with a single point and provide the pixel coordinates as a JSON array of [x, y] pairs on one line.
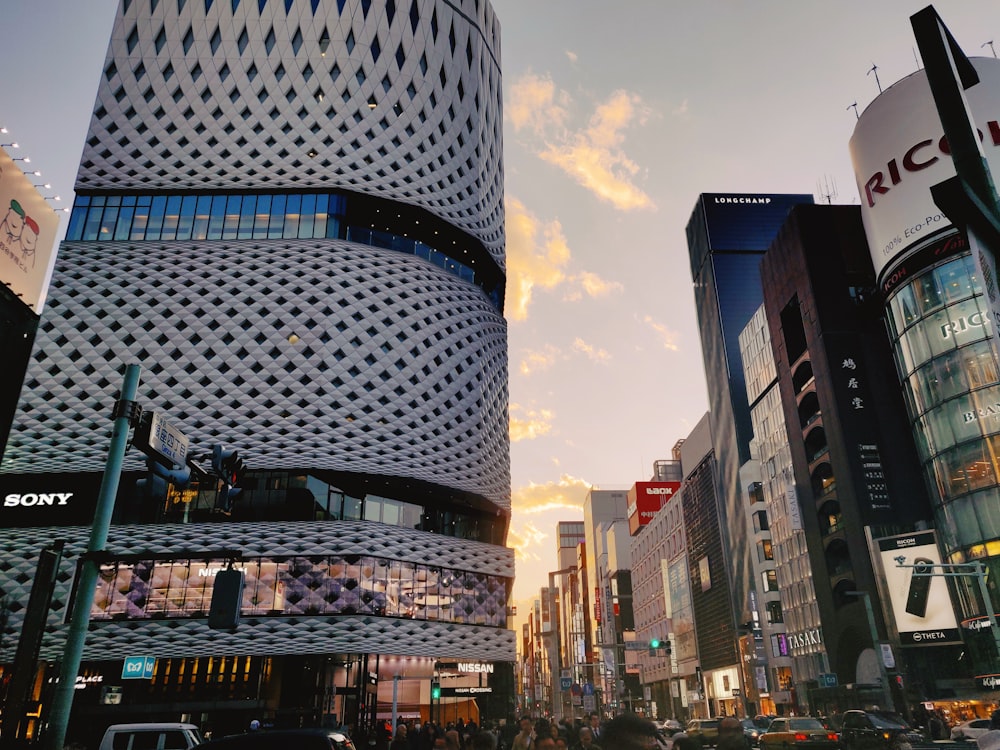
[[705, 731], [282, 739], [970, 730], [752, 730], [876, 730], [787, 732], [155, 735]]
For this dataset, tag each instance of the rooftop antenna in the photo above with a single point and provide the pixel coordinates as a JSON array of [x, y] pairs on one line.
[[826, 189], [856, 115], [990, 44], [874, 69]]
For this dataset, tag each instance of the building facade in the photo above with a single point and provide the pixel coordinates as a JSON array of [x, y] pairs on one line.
[[290, 214]]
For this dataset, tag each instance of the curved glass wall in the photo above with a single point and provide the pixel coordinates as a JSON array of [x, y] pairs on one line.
[[135, 218], [951, 381], [314, 585]]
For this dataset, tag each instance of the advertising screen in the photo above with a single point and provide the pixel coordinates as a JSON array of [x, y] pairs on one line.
[[921, 605]]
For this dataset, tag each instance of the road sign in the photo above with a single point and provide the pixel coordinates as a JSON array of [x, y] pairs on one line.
[[138, 667], [565, 683], [161, 441], [588, 688], [590, 703], [827, 679]]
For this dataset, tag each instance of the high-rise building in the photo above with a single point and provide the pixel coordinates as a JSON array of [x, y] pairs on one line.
[[290, 214], [945, 353], [727, 236]]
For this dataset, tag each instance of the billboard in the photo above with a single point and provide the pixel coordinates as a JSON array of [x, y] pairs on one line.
[[28, 227], [921, 605], [645, 499], [899, 151]]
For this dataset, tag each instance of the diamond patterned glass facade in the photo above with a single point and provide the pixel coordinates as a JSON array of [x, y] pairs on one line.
[[374, 349]]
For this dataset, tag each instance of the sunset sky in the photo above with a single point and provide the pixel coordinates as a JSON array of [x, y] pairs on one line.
[[617, 116]]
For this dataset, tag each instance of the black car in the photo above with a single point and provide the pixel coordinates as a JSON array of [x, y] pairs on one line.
[[282, 739], [754, 728], [876, 730]]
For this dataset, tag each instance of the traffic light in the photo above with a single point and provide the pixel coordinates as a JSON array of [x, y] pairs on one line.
[[154, 485], [227, 465], [435, 691], [227, 597], [654, 644]]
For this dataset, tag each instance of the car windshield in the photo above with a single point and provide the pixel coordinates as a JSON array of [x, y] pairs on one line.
[[884, 720], [796, 724], [714, 724]]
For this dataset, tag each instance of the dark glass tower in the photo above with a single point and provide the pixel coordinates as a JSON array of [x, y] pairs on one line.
[[728, 235], [290, 214]]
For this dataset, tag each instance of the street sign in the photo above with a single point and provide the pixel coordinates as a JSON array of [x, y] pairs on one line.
[[161, 441], [565, 683], [589, 703], [827, 680], [461, 692], [588, 688], [138, 667]]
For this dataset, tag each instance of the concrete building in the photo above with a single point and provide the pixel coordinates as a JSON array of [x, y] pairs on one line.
[[290, 214]]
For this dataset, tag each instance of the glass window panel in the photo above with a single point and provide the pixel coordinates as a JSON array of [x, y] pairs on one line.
[[373, 508], [232, 221], [980, 364], [293, 208], [217, 217], [156, 211], [308, 216], [927, 293], [124, 226], [920, 352], [409, 515], [202, 214], [903, 309], [247, 217], [277, 223], [937, 328], [128, 200], [108, 221], [186, 221], [77, 219], [352, 508], [171, 216], [113, 200], [140, 221], [390, 512], [261, 216], [333, 228], [953, 280]]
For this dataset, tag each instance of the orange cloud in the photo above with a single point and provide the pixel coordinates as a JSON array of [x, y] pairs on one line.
[[530, 426], [568, 492], [594, 354], [539, 360], [593, 156], [667, 337], [537, 255]]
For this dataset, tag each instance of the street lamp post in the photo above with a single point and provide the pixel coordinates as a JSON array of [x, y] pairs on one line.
[[882, 674]]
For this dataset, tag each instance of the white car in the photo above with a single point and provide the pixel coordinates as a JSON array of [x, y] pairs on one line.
[[970, 730]]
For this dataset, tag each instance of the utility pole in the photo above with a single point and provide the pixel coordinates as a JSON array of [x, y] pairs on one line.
[[125, 413]]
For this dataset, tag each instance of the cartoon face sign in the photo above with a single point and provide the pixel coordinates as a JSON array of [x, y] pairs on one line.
[[29, 239], [13, 222]]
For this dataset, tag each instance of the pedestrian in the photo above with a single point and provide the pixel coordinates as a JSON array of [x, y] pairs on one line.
[[585, 740], [731, 735], [399, 740], [525, 739], [628, 732]]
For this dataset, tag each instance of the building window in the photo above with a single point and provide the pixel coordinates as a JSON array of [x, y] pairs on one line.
[[765, 549]]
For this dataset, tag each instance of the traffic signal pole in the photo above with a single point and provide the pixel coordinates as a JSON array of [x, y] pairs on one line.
[[62, 703]]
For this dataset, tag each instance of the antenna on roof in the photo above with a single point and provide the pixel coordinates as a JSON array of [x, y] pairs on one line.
[[856, 115], [874, 69], [826, 190], [990, 43]]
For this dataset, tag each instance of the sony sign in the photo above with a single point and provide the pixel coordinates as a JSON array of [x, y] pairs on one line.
[[899, 151], [32, 499]]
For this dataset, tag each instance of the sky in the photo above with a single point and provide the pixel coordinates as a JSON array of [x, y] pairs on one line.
[[617, 115]]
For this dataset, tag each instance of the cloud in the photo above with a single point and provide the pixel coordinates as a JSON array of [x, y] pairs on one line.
[[573, 57], [682, 109], [537, 258], [595, 355], [539, 360], [569, 492], [594, 155], [525, 539], [531, 425], [667, 337], [535, 104]]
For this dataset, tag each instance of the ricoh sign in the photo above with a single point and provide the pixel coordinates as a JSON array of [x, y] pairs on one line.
[[644, 501], [899, 151]]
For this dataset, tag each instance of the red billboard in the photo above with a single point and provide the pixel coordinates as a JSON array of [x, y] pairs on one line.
[[645, 499]]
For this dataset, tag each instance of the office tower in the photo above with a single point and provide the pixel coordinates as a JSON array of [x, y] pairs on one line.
[[855, 481], [944, 349], [290, 214], [728, 235]]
